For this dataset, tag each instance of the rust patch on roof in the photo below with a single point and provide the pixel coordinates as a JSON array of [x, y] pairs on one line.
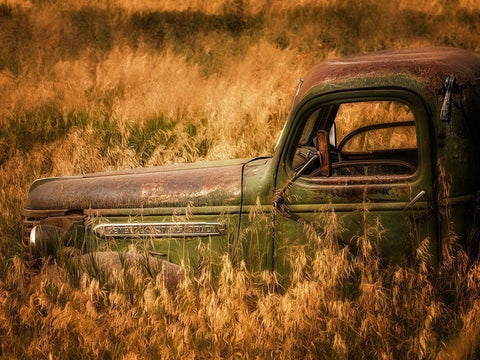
[[429, 66]]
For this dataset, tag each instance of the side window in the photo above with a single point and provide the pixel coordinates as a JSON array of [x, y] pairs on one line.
[[369, 138]]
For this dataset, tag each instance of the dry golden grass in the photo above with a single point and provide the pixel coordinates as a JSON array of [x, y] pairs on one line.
[[355, 115], [338, 305], [88, 86], [246, 6]]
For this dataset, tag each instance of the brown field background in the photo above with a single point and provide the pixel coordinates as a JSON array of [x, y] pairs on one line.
[[92, 86]]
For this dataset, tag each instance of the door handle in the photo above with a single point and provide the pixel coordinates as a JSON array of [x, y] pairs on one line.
[[415, 199]]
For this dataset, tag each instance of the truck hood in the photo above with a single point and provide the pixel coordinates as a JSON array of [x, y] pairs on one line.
[[197, 184]]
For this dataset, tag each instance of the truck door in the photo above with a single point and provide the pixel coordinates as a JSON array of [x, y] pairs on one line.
[[380, 173]]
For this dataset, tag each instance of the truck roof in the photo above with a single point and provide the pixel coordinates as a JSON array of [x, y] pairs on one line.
[[429, 66]]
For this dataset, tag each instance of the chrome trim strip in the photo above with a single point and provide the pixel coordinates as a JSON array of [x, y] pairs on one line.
[[359, 206], [158, 229]]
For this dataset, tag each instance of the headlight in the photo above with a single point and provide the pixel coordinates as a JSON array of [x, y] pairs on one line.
[[46, 239]]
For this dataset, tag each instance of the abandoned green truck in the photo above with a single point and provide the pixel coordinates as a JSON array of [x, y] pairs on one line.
[[373, 137]]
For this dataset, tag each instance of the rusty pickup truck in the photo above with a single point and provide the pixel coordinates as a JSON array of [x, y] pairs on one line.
[[377, 134]]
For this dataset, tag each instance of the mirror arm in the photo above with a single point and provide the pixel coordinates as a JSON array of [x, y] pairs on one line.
[[278, 200], [300, 171], [446, 111]]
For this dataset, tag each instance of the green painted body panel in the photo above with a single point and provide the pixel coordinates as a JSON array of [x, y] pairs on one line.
[[386, 199], [183, 250]]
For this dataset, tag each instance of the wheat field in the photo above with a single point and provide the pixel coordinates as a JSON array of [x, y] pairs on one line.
[[90, 86]]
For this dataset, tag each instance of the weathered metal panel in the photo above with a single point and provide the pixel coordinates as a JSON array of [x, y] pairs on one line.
[[190, 186], [429, 66]]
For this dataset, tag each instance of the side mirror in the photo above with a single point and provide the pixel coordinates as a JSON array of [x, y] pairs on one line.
[[323, 147], [322, 155]]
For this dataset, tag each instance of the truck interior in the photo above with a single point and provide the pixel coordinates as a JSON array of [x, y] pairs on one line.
[[367, 138]]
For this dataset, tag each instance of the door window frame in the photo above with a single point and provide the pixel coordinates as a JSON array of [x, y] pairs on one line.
[[420, 112]]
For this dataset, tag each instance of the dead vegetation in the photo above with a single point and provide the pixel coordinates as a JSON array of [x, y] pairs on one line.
[[91, 87]]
